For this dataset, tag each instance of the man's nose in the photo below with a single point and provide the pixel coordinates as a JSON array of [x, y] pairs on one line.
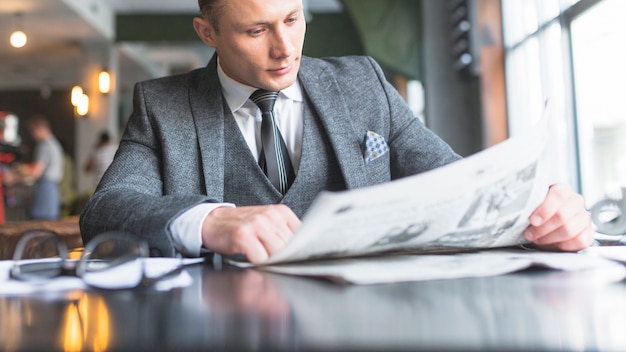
[[281, 45]]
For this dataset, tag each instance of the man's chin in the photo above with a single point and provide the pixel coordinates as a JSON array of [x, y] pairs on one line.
[[276, 85], [281, 81]]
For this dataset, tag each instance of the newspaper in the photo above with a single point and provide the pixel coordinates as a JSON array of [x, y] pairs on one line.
[[451, 222], [424, 267], [482, 201]]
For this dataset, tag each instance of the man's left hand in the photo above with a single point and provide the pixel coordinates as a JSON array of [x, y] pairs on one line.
[[561, 222]]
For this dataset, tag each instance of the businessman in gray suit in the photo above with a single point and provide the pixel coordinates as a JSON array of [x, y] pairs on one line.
[[187, 176]]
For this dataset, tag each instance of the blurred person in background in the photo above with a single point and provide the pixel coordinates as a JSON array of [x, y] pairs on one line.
[[46, 170], [101, 156]]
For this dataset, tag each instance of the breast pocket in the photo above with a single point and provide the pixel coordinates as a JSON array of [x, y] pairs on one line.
[[378, 170]]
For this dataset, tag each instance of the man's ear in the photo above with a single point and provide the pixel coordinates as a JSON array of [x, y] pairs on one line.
[[205, 31]]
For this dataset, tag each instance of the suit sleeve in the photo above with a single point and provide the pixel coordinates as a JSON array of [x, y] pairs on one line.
[[130, 196]]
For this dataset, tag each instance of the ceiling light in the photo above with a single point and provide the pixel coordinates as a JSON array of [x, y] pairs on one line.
[[76, 95], [83, 105], [104, 82], [18, 38]]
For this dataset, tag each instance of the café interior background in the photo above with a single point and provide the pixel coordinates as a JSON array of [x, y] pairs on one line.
[[475, 71]]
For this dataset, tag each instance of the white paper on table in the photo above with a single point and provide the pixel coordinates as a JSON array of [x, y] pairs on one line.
[[617, 253], [422, 267]]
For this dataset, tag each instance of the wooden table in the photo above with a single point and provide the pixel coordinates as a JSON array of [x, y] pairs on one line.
[[11, 231]]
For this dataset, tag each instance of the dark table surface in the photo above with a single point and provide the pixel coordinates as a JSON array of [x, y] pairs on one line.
[[236, 309]]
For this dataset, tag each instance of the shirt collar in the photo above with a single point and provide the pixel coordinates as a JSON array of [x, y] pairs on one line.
[[237, 94]]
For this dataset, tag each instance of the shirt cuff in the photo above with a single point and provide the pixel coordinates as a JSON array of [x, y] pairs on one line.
[[186, 229]]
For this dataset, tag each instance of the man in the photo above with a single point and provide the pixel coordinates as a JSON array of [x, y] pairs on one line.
[[46, 170], [187, 173]]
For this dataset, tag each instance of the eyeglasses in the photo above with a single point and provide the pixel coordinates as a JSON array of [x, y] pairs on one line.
[[112, 260]]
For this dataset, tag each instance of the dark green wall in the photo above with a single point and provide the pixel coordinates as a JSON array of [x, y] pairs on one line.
[[390, 32], [155, 28], [332, 35], [328, 34]]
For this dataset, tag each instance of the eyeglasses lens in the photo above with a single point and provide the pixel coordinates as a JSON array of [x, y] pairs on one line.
[[38, 255], [112, 262]]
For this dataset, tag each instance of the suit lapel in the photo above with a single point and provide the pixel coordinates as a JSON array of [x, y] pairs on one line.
[[205, 98], [327, 99]]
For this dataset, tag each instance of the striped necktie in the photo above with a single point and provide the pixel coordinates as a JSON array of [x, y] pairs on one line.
[[274, 158]]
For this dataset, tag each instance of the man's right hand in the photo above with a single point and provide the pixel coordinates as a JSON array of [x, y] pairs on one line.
[[254, 231]]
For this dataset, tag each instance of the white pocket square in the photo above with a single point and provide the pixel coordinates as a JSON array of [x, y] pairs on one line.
[[375, 146]]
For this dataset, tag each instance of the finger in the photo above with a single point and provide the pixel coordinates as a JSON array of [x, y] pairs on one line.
[[272, 242], [577, 243], [292, 220], [557, 194], [571, 228], [285, 221], [559, 209], [264, 233], [278, 230], [566, 219], [230, 238], [246, 242], [256, 253]]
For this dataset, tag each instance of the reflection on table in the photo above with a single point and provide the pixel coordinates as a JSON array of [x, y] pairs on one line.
[[234, 309]]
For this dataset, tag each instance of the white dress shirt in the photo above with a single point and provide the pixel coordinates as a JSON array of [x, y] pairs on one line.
[[289, 114]]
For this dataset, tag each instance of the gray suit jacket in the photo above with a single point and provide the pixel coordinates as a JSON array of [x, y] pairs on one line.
[[171, 156]]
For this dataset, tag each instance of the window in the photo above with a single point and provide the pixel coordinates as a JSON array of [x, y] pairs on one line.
[[599, 59], [537, 73], [570, 53]]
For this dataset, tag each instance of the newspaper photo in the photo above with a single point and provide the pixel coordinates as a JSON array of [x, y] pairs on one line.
[[482, 201]]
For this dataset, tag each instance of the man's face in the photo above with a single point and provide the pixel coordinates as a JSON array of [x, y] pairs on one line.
[[260, 41], [36, 132]]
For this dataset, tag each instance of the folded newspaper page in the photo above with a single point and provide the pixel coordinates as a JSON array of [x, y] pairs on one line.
[[423, 267], [482, 201]]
